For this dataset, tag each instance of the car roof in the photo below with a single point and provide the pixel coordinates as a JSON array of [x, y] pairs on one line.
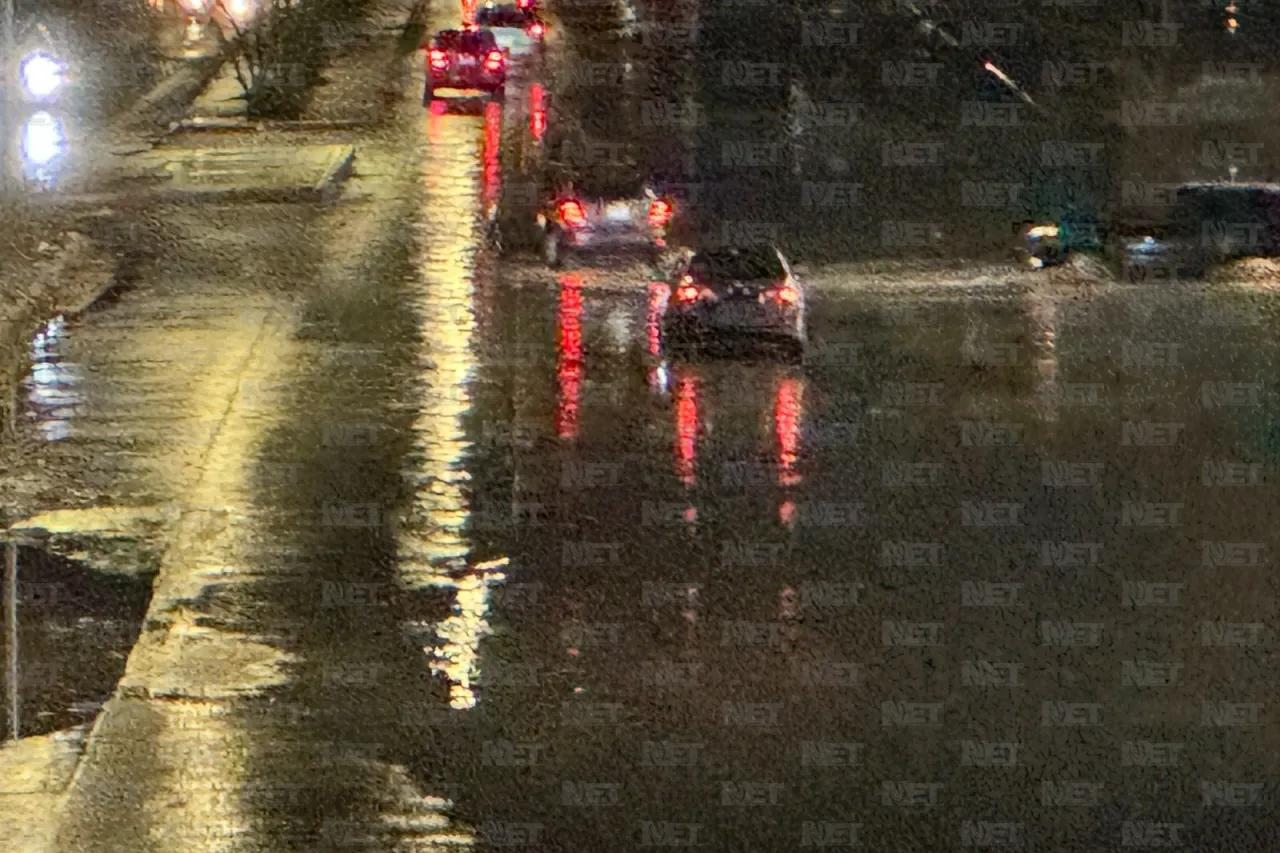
[[1225, 186]]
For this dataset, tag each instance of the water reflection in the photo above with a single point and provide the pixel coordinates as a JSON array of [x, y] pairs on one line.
[[43, 142], [434, 549], [53, 385], [537, 111], [787, 404], [456, 655], [569, 360], [686, 411]]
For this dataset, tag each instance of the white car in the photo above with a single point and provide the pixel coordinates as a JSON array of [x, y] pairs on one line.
[[515, 26]]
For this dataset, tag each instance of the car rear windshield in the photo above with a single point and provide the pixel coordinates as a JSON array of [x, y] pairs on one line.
[[750, 264], [477, 42], [501, 16]]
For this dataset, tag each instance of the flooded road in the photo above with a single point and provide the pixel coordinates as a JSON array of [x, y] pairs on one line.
[[455, 556]]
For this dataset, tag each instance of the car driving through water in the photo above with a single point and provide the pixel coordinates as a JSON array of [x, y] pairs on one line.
[[731, 295]]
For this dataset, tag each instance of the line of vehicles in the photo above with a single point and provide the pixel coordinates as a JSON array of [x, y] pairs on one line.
[[716, 297]]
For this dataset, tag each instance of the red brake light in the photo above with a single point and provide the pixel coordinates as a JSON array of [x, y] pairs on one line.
[[439, 59], [524, 4], [571, 213], [784, 293], [659, 213], [687, 290], [537, 30], [493, 62]]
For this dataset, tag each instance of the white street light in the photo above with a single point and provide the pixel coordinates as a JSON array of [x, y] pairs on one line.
[[41, 75]]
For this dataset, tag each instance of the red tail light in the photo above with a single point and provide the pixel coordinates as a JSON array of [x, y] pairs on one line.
[[785, 293], [524, 4], [659, 213], [493, 62], [686, 291], [571, 214], [537, 30], [439, 59]]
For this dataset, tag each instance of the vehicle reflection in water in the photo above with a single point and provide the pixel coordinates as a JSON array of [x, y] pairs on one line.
[[686, 411], [52, 386], [569, 362], [787, 407], [1043, 312], [434, 549], [657, 374], [44, 141], [537, 111]]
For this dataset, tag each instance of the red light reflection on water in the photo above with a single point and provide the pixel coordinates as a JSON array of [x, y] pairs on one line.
[[537, 111], [569, 368], [686, 428], [492, 150], [658, 295], [786, 420]]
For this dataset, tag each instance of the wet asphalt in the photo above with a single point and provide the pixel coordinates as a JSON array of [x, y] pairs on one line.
[[985, 569]]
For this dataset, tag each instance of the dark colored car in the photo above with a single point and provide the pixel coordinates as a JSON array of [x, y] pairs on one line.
[[749, 293], [465, 63], [1206, 224]]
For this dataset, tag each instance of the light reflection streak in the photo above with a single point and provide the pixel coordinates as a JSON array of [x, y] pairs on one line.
[[570, 367], [537, 111], [53, 392], [686, 428], [786, 419], [433, 547], [1043, 313]]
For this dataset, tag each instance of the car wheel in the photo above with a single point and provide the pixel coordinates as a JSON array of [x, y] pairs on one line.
[[551, 250]]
